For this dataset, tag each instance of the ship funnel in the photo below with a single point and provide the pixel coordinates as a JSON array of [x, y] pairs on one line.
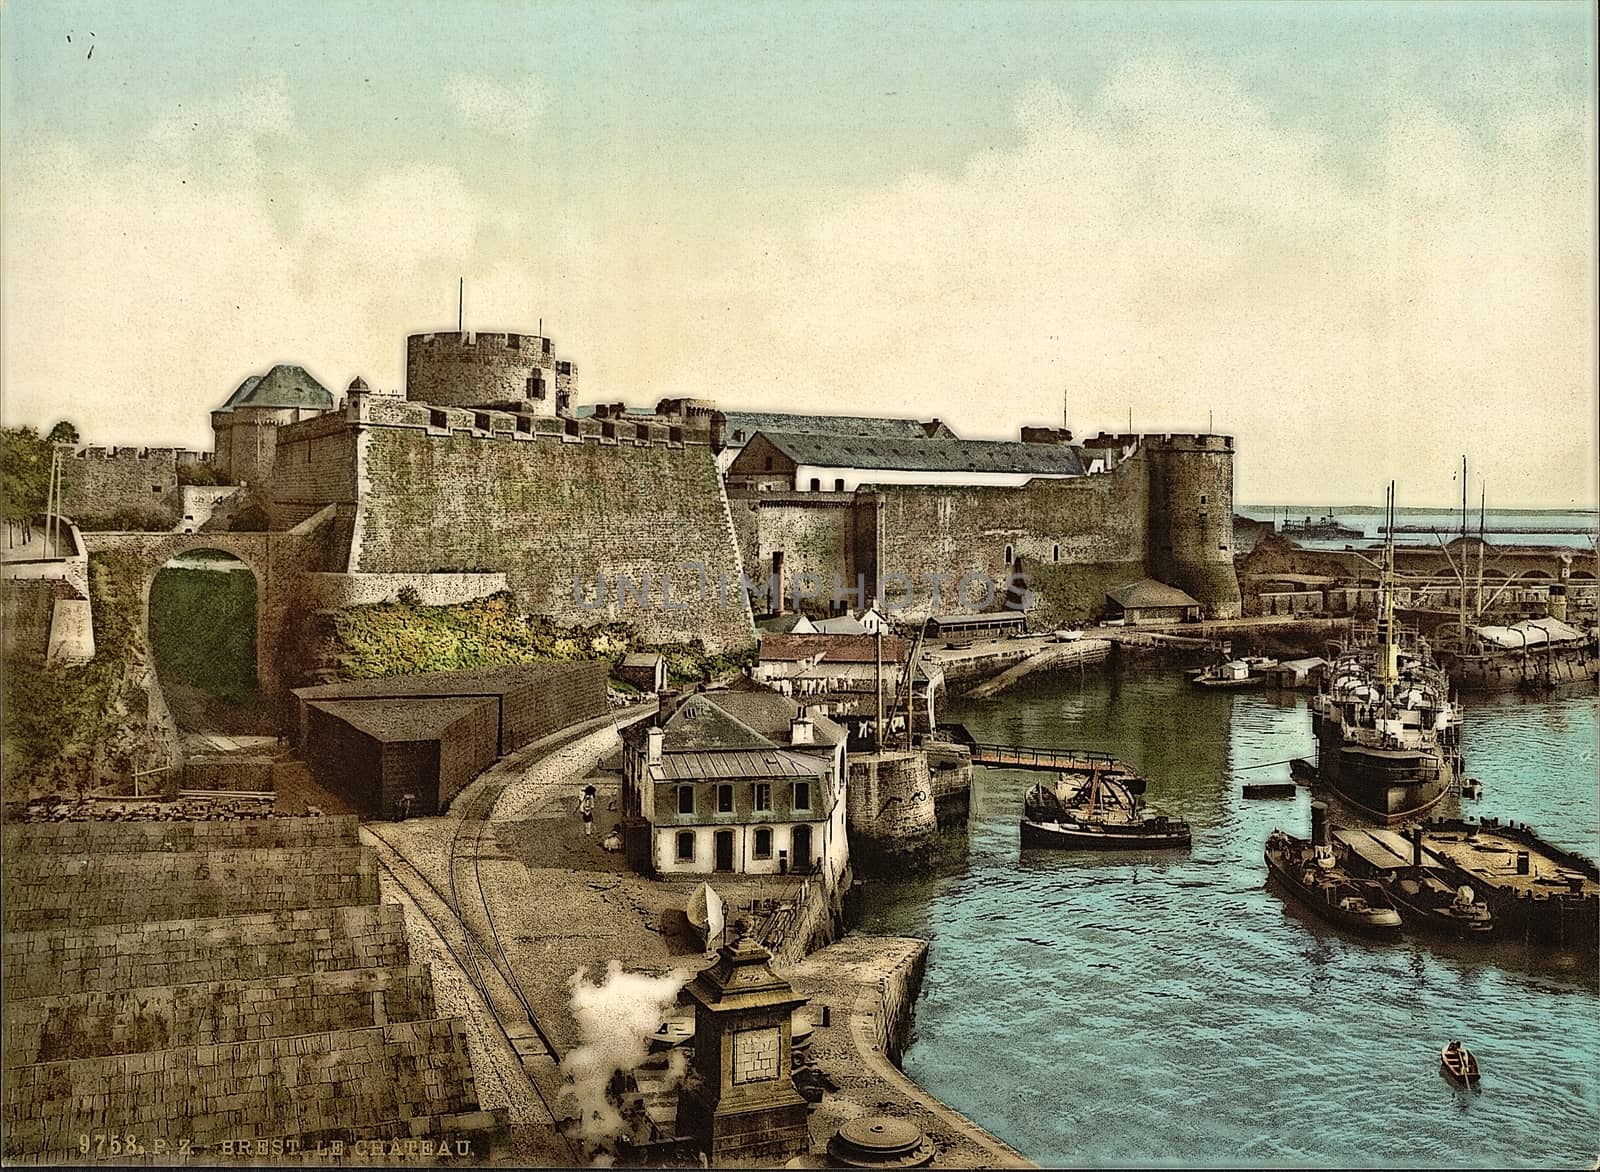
[[1319, 823], [1416, 846]]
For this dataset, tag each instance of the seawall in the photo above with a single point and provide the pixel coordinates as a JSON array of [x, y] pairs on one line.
[[868, 986]]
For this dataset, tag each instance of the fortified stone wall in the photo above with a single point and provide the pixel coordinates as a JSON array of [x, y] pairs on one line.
[[547, 512], [1092, 528], [96, 482]]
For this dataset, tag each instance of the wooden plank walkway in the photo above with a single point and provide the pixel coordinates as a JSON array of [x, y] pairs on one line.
[[1024, 757]]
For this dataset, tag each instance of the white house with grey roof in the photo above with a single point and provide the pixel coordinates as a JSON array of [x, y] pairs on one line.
[[740, 427], [738, 781], [795, 462]]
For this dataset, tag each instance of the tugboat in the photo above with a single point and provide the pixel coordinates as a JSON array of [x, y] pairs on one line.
[[1098, 807], [1387, 731], [1430, 903], [1312, 874]]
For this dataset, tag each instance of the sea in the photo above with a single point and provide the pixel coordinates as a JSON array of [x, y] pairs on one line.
[[1170, 1009], [1500, 526]]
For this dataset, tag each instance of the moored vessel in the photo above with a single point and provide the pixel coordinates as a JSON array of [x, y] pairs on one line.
[[1387, 730], [1098, 807], [1311, 872]]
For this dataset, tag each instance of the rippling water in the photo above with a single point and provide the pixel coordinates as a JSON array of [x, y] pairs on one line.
[[1117, 1009]]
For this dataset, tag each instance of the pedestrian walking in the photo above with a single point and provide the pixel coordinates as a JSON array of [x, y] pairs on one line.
[[586, 810]]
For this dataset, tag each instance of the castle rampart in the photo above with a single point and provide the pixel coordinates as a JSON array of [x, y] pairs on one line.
[[489, 369], [97, 482]]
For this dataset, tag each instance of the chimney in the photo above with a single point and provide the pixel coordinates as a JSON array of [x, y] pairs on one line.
[[654, 738], [801, 729], [1416, 846], [1319, 823]]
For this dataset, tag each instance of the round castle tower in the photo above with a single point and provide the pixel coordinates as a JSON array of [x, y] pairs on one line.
[[1191, 518], [512, 372]]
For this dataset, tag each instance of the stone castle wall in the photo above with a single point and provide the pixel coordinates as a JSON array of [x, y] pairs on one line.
[[890, 806], [1075, 538], [545, 510], [1191, 518], [96, 482]]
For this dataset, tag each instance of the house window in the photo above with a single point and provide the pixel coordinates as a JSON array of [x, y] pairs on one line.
[[686, 799], [738, 435], [769, 464], [724, 799], [763, 795], [802, 795], [838, 485], [816, 484], [763, 844], [685, 846]]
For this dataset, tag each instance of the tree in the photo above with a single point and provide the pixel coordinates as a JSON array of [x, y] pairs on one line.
[[25, 463]]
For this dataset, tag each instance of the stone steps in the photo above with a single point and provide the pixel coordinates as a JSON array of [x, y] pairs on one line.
[[101, 1023], [45, 891], [66, 961], [97, 838], [342, 1083]]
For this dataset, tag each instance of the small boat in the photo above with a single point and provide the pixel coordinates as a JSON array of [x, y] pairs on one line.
[[1472, 788], [704, 912], [1427, 902], [1271, 789], [1303, 770], [1311, 872], [1235, 673], [1459, 1064], [1098, 808]]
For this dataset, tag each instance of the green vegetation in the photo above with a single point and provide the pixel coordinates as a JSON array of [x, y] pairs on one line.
[[401, 637], [125, 520], [25, 466], [203, 630], [58, 718], [198, 474]]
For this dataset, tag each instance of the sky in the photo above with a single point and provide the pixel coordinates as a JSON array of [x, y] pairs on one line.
[[1359, 237]]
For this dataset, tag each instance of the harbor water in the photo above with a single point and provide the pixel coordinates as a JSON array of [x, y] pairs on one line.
[[1103, 1010]]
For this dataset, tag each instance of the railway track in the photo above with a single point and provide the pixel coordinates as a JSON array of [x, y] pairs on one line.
[[467, 955]]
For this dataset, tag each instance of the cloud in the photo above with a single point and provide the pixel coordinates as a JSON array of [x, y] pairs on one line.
[[1167, 245], [511, 110]]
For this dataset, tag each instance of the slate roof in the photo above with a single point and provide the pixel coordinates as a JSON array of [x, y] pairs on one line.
[[487, 681], [647, 659], [1147, 592], [927, 455], [750, 422], [747, 720], [282, 386], [784, 624], [698, 766], [832, 648]]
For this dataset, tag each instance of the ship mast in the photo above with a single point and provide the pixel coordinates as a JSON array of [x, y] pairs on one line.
[[1388, 654]]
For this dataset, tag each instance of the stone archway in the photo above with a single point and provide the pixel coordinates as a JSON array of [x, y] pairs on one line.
[[203, 612]]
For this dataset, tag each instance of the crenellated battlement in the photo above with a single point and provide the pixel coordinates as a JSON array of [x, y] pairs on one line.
[[474, 369], [493, 424], [1190, 442], [162, 456]]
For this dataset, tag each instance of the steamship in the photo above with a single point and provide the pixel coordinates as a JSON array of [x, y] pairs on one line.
[[1387, 732]]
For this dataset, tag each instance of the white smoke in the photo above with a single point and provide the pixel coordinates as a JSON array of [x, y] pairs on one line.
[[616, 1019]]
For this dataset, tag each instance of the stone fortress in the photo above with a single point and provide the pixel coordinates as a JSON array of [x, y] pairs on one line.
[[483, 475]]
